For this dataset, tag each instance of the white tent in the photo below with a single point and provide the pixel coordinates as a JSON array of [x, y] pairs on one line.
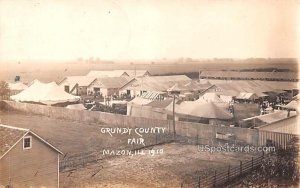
[[49, 93], [17, 86], [200, 108], [211, 97]]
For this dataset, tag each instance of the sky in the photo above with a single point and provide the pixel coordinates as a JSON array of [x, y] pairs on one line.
[[36, 30]]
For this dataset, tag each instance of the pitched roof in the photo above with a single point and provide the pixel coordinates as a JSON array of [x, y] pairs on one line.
[[245, 95], [158, 83], [175, 87], [137, 73], [160, 104], [247, 75], [10, 136], [110, 73], [113, 82], [234, 87], [118, 73], [80, 80], [272, 117]]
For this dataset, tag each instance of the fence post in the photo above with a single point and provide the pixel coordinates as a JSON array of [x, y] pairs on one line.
[[228, 177], [252, 163], [155, 139], [241, 167], [199, 182]]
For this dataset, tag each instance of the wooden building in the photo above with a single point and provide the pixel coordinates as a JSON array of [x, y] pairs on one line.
[[107, 86], [76, 85], [27, 160]]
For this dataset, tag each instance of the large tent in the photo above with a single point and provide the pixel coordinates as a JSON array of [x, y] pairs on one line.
[[211, 97], [17, 86], [200, 109], [293, 105], [45, 93]]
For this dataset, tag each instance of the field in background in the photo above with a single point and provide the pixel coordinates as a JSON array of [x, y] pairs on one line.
[[57, 71]]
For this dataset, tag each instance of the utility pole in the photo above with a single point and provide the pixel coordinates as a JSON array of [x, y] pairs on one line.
[[174, 131]]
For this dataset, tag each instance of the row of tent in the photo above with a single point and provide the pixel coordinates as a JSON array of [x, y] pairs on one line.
[[208, 106]]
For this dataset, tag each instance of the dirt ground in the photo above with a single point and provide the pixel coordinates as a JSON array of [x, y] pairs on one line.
[[177, 164]]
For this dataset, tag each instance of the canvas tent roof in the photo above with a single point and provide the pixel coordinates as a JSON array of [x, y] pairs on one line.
[[49, 93], [293, 105], [211, 97], [34, 81], [17, 86], [200, 108], [140, 101]]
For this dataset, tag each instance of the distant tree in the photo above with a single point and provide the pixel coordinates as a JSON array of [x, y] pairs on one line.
[[4, 90]]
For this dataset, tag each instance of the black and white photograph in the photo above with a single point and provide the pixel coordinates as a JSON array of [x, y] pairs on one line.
[[149, 94]]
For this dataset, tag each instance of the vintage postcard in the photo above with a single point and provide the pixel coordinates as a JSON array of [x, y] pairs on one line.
[[149, 94]]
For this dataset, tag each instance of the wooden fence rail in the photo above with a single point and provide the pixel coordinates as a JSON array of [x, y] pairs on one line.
[[230, 174]]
